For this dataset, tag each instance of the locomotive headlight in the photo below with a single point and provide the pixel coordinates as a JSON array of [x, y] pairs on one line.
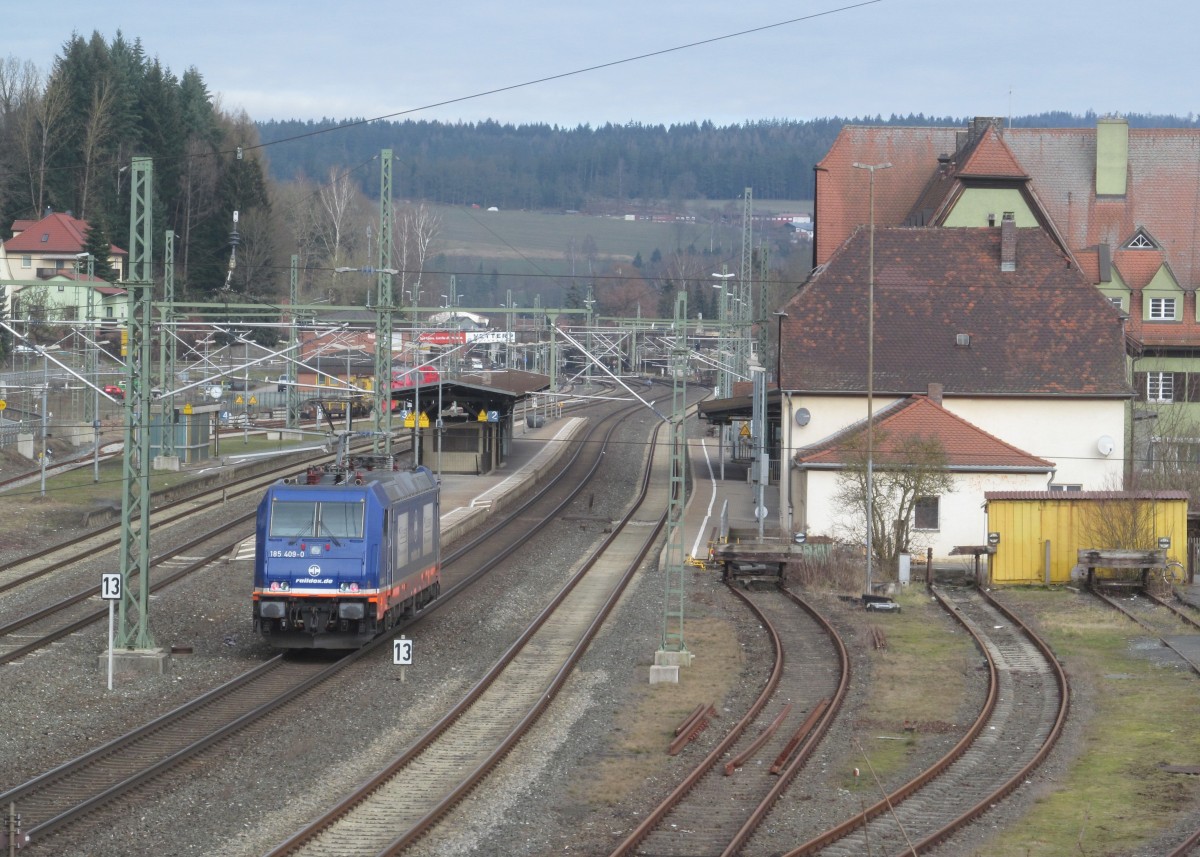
[[348, 587]]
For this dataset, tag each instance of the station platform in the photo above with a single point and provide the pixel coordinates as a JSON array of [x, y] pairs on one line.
[[710, 494], [468, 500]]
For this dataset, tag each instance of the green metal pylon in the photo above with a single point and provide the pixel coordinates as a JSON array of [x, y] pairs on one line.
[[676, 570], [133, 627], [292, 392], [384, 309], [166, 350]]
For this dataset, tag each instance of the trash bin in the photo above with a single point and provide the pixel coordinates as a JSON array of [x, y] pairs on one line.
[[904, 569]]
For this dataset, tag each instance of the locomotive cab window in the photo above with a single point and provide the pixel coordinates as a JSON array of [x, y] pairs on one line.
[[307, 519]]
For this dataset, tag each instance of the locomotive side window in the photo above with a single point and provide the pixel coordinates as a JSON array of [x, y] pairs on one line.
[[414, 536], [427, 535], [400, 550]]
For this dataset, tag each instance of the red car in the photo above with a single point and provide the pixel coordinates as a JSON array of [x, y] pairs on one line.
[[114, 391]]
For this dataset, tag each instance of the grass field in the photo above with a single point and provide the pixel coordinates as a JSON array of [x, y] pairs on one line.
[[524, 249]]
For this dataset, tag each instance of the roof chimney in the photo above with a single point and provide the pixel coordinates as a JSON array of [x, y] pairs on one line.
[[935, 392], [1008, 242], [1112, 156]]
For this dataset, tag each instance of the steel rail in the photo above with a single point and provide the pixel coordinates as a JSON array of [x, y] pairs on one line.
[[250, 678], [943, 764], [362, 794]]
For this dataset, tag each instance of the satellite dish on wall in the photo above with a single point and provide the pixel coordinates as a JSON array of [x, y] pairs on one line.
[[802, 417], [1106, 445]]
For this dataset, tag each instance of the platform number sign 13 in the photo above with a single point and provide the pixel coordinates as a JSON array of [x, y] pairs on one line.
[[110, 586], [402, 652]]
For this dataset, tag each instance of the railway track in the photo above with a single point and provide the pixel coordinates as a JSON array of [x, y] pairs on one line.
[[1018, 725], [1163, 618], [716, 808], [93, 545], [68, 604], [409, 796], [54, 800]]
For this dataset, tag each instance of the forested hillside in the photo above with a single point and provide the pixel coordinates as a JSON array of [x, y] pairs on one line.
[[310, 189], [548, 167], [67, 139]]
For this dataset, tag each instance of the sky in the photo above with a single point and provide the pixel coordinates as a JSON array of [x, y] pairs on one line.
[[571, 63]]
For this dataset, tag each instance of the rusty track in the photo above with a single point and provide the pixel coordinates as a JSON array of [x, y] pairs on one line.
[[989, 762], [1139, 607], [710, 813]]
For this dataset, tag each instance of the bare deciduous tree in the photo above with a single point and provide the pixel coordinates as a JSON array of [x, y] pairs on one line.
[[97, 129], [903, 471], [38, 137], [339, 203], [415, 231]]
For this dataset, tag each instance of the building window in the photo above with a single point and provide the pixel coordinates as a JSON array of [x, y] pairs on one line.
[[1065, 487], [62, 288], [1141, 241], [26, 261], [1162, 309], [108, 312], [925, 513], [1117, 302], [1174, 455], [1160, 386]]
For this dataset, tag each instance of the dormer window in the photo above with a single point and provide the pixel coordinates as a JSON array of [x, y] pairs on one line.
[[1162, 309], [1141, 241]]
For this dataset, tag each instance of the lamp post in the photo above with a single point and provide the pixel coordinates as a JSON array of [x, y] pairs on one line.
[[724, 383], [871, 168]]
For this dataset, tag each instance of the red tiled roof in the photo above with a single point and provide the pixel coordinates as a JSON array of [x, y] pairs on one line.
[[842, 191], [1137, 267], [1163, 192], [991, 158], [1042, 330], [56, 233], [965, 445]]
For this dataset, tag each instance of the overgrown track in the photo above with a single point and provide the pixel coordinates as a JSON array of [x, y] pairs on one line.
[[1163, 618], [717, 807], [71, 791], [407, 798], [1019, 724]]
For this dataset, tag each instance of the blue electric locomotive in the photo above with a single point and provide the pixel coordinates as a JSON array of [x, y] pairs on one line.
[[344, 553]]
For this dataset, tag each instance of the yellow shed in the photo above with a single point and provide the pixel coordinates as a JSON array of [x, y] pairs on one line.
[[1037, 534]]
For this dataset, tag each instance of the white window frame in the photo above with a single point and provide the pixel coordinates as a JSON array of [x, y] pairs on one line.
[[1157, 387], [26, 261], [1161, 309]]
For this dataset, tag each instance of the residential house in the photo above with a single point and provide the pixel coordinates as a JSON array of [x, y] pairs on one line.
[[977, 461], [1121, 202], [48, 250], [997, 326], [63, 300]]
